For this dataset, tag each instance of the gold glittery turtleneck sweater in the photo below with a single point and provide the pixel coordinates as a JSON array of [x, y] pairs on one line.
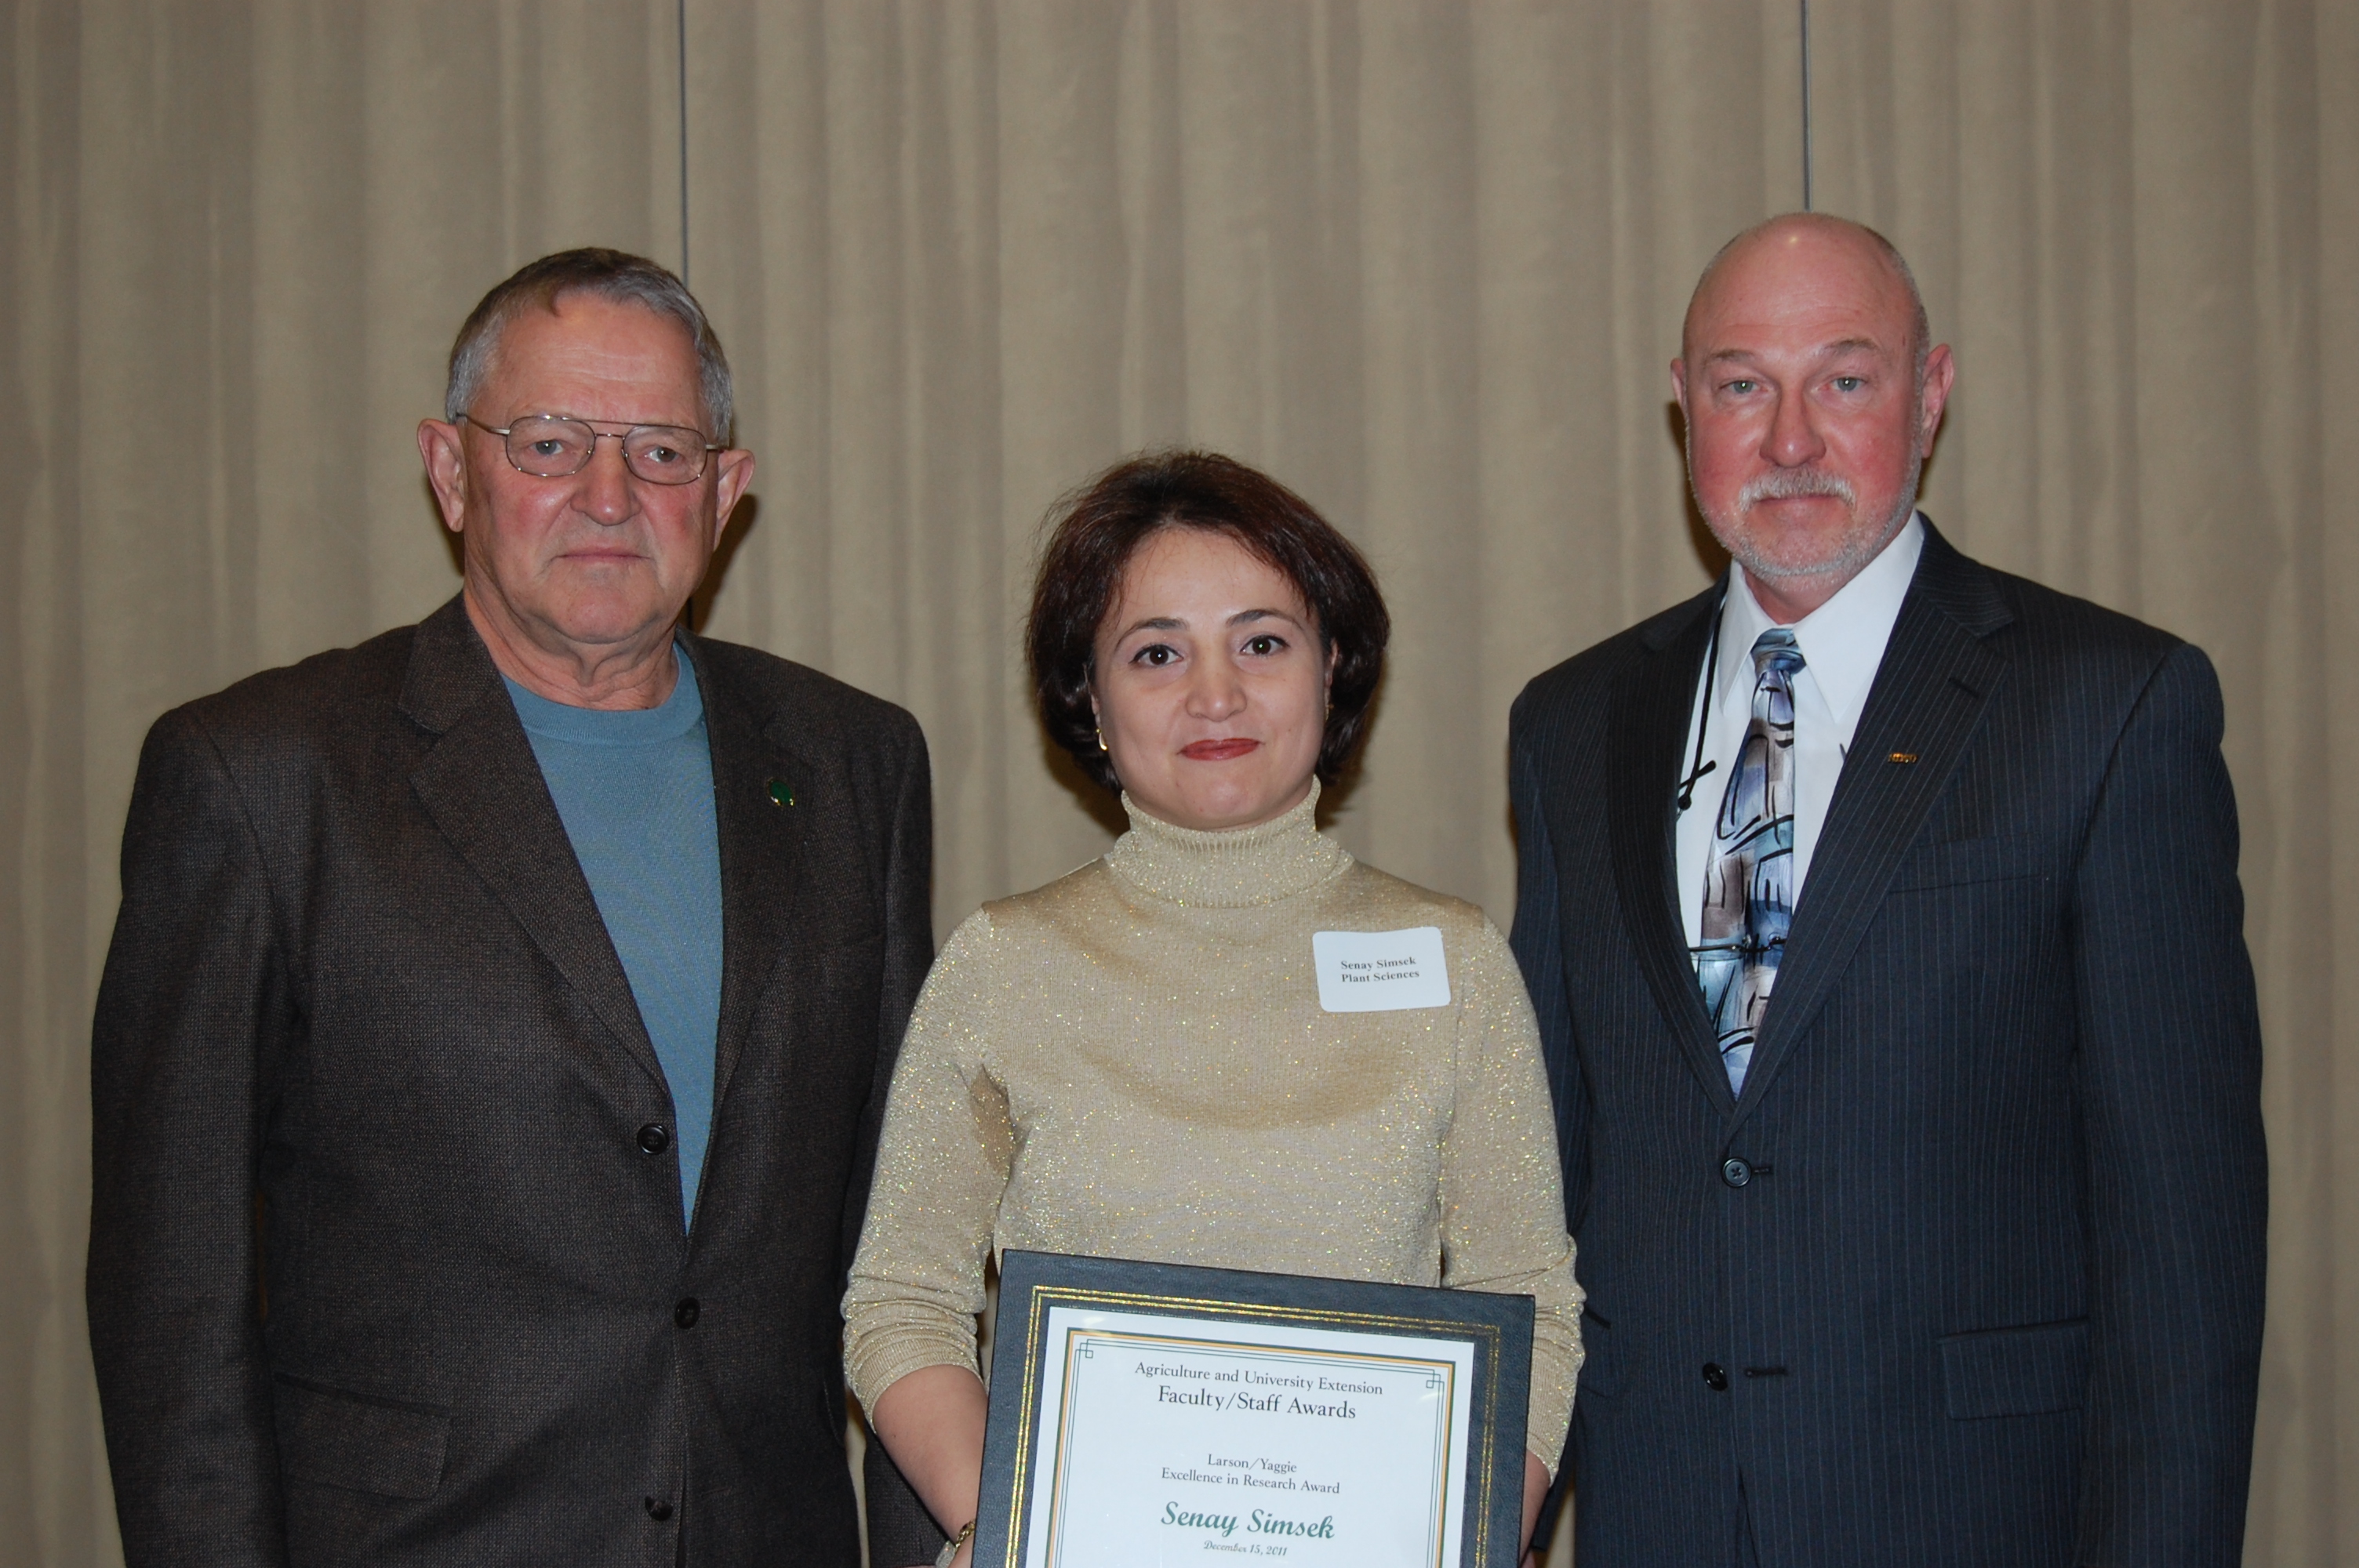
[[1132, 1062]]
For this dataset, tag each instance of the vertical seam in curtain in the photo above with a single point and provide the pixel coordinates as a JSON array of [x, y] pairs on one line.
[[680, 14], [1806, 107]]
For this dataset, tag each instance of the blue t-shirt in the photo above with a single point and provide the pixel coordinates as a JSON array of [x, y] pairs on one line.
[[635, 790]]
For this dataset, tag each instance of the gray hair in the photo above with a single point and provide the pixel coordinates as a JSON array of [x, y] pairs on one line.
[[615, 275]]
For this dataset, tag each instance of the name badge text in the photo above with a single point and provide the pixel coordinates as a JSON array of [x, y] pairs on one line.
[[1380, 971]]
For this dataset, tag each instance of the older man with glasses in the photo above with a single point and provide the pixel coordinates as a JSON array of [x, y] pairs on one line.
[[489, 1059]]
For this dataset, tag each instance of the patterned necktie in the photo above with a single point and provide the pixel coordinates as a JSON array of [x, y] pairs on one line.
[[1748, 891]]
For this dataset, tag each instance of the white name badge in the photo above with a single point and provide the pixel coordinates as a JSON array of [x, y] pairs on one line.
[[1380, 971]]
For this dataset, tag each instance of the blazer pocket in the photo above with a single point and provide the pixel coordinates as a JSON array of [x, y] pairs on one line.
[[1960, 861], [2036, 1370], [360, 1442]]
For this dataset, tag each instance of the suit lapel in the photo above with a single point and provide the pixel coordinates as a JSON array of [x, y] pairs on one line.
[[481, 785], [1936, 678], [1649, 723], [761, 853]]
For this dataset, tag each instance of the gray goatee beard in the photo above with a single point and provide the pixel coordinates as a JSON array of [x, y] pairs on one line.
[[1786, 484]]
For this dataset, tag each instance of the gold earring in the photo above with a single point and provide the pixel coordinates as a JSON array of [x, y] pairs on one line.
[[1102, 746]]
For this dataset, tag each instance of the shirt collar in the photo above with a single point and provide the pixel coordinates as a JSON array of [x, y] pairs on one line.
[[1842, 641]]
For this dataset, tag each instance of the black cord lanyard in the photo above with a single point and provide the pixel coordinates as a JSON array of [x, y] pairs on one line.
[[1699, 767]]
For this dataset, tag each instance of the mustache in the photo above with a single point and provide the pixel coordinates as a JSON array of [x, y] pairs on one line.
[[1787, 484]]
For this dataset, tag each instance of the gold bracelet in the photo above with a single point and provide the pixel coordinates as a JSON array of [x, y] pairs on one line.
[[950, 1549]]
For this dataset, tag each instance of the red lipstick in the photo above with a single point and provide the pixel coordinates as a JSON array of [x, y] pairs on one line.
[[1219, 750]]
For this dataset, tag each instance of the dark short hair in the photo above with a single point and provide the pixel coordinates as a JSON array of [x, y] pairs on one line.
[[1095, 531], [615, 275]]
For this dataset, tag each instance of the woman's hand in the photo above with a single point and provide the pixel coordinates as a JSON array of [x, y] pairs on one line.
[[931, 1421], [963, 1559], [1536, 1489], [966, 1558]]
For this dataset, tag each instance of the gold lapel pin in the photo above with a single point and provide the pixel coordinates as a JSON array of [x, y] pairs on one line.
[[1896, 756], [781, 792]]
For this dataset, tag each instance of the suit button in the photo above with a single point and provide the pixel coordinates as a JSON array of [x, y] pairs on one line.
[[1715, 1377], [658, 1509], [653, 1139], [685, 1314], [1735, 1172]]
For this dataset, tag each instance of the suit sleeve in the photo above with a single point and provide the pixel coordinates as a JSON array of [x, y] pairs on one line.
[[2169, 1071], [900, 1529], [909, 953], [192, 1012], [1538, 943]]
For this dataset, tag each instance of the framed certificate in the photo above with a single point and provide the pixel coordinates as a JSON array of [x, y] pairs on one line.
[[1146, 1414]]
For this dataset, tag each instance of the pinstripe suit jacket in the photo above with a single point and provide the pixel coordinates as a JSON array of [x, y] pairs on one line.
[[1987, 1286], [359, 976]]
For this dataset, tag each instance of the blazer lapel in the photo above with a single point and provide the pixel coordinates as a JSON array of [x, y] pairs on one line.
[[481, 785], [1936, 678], [761, 854], [1650, 722]]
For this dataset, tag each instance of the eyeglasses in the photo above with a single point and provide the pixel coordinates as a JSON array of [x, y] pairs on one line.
[[548, 447]]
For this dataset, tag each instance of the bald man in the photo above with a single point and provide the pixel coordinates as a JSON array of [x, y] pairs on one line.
[[1947, 1246]]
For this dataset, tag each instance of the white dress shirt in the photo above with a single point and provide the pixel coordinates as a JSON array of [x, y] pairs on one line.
[[1842, 643]]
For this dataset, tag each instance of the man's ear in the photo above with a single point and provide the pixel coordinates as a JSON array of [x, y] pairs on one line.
[[737, 471], [443, 449], [1679, 385], [1940, 372]]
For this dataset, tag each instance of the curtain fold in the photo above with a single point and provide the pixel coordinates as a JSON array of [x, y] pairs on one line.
[[1424, 261]]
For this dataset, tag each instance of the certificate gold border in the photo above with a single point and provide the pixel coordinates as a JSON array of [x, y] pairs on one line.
[[1484, 1442], [1440, 1480]]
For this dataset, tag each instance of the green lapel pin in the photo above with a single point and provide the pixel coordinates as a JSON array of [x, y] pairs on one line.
[[781, 792]]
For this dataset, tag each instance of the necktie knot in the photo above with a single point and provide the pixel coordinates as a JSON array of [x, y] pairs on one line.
[[1776, 650]]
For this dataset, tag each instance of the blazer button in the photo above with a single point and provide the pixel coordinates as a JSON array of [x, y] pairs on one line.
[[658, 1509], [685, 1314], [1715, 1377], [1735, 1172], [653, 1139]]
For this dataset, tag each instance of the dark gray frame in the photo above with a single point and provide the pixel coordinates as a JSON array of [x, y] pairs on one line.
[[1499, 1327]]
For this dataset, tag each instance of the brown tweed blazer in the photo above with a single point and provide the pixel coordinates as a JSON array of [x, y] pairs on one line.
[[359, 981]]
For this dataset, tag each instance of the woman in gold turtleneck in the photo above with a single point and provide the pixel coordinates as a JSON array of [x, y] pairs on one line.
[[1133, 1060]]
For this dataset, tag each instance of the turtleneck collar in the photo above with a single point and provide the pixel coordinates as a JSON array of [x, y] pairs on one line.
[[1230, 869]]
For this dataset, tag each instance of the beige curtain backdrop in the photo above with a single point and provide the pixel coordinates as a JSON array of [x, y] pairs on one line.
[[1424, 261]]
